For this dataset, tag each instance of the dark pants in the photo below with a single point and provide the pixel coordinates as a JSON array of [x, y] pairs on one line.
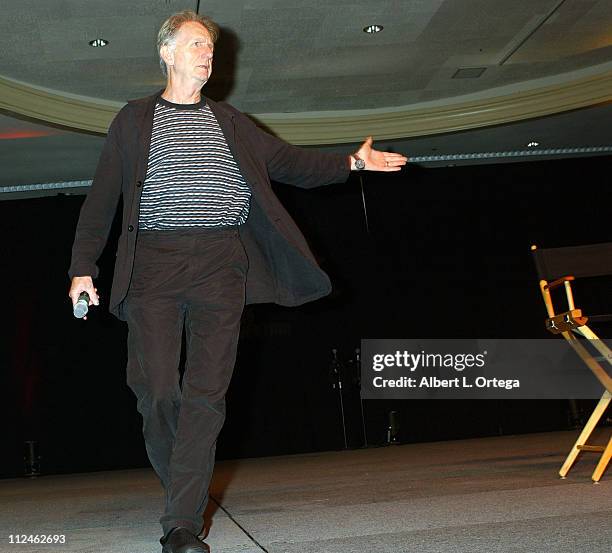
[[196, 279]]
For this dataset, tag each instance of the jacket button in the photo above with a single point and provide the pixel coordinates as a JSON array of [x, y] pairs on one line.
[[139, 184], [130, 228]]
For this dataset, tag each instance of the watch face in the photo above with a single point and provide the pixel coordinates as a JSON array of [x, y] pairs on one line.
[[359, 164]]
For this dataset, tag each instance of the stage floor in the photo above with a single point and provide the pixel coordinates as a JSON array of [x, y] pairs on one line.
[[488, 495]]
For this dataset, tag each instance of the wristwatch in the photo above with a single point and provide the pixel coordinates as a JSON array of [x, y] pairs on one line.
[[359, 163]]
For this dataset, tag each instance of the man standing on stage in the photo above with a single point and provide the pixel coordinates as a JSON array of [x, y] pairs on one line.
[[202, 235]]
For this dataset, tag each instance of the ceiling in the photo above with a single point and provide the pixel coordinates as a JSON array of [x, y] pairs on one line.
[[291, 59]]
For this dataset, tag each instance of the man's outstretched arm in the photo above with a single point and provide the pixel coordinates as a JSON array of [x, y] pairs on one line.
[[304, 166]]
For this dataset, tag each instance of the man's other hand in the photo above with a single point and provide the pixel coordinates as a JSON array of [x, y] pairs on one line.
[[83, 284]]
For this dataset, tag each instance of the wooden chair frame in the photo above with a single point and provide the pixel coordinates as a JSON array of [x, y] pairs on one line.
[[569, 324]]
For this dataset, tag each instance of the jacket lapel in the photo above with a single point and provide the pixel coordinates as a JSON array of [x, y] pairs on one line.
[[144, 129]]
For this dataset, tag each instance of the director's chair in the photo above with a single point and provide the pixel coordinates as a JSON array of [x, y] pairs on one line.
[[558, 268]]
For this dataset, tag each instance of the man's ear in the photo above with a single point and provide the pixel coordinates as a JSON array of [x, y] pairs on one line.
[[167, 54]]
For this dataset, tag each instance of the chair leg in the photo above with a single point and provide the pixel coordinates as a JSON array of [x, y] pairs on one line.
[[599, 410], [603, 462]]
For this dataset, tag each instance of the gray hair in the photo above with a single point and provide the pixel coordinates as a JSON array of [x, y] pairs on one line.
[[169, 28]]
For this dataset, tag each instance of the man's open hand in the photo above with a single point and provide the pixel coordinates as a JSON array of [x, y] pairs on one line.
[[376, 160]]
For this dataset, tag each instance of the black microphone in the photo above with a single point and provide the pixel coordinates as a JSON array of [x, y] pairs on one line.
[[81, 307]]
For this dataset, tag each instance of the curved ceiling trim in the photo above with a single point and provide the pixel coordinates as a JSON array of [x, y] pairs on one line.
[[524, 101], [51, 106]]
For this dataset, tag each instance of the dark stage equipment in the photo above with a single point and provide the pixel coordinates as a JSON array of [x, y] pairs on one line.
[[335, 374], [31, 459], [356, 362], [393, 429]]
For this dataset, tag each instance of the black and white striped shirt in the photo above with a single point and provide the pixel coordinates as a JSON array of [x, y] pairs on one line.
[[192, 178]]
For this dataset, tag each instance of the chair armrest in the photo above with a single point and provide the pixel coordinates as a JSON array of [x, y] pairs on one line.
[[559, 282]]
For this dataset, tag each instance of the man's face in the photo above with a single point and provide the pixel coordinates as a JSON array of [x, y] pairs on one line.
[[192, 57]]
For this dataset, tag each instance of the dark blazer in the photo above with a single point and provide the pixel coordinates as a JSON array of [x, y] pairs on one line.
[[282, 268]]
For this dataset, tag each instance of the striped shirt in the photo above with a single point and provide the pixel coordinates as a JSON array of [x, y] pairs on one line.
[[192, 178]]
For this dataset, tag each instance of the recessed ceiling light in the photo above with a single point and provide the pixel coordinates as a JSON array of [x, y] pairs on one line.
[[533, 144], [373, 29], [98, 42]]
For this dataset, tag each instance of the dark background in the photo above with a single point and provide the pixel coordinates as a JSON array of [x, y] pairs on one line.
[[447, 255]]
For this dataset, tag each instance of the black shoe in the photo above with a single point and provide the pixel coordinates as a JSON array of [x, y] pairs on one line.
[[181, 540]]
